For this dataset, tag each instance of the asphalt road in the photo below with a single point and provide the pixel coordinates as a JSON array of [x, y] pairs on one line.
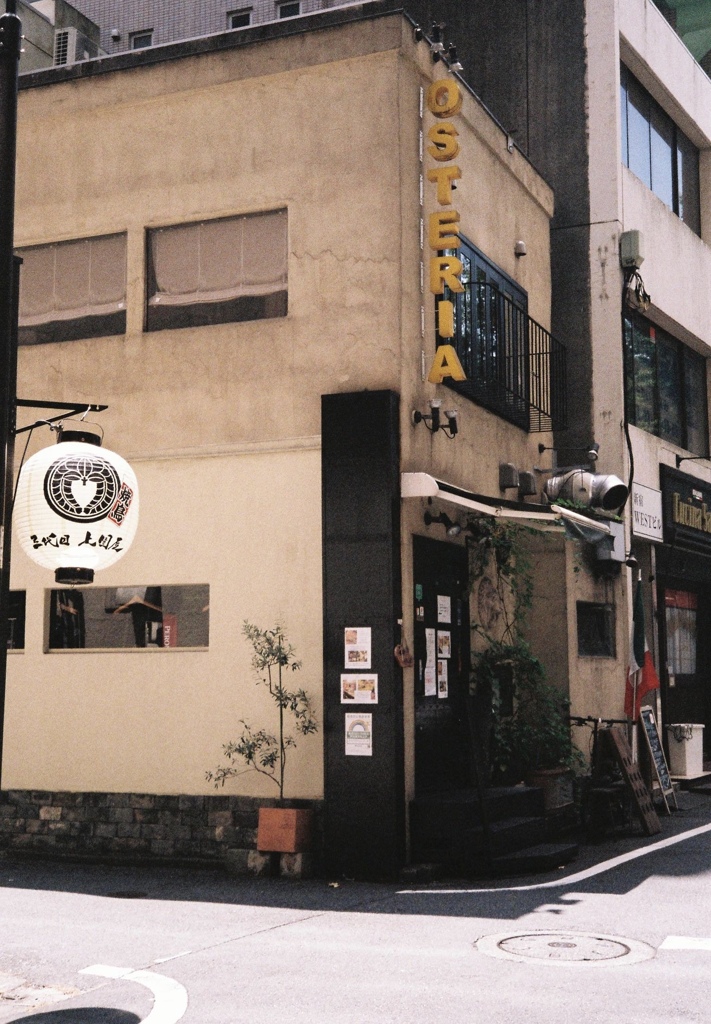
[[623, 934]]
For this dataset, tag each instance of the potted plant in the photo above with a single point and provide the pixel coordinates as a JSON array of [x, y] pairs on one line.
[[281, 829], [533, 743]]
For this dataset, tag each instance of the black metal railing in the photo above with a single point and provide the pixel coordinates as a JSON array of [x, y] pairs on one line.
[[514, 366]]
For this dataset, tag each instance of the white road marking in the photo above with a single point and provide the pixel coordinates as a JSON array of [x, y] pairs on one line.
[[170, 998], [580, 876], [682, 942]]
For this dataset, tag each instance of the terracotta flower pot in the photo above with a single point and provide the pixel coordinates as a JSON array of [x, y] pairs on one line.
[[284, 830], [556, 785]]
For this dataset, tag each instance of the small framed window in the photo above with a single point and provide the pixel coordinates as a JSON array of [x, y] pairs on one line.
[[71, 290], [16, 621], [240, 19], [141, 40], [217, 271], [596, 630], [129, 617], [289, 10]]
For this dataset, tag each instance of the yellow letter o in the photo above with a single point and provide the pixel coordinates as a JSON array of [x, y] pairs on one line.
[[444, 98]]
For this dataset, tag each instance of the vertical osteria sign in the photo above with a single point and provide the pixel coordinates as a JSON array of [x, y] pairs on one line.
[[444, 100]]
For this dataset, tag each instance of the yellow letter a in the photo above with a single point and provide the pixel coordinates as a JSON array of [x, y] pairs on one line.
[[446, 364]]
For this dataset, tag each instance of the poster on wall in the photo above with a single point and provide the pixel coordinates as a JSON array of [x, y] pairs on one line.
[[359, 689], [444, 644], [444, 608], [442, 678], [358, 652], [430, 663], [359, 735]]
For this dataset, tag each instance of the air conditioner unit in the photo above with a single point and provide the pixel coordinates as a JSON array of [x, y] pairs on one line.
[[72, 46]]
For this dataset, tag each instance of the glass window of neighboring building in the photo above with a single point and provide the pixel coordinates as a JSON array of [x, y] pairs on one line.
[[141, 40], [289, 10], [240, 19], [72, 290], [658, 152], [129, 617], [665, 386], [217, 271]]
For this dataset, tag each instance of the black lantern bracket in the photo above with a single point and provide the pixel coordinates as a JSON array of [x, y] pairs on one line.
[[68, 409]]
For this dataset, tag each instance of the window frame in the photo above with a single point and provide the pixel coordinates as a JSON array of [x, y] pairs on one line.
[[605, 627], [647, 405], [144, 611], [17, 602], [135, 37], [281, 8], [57, 328], [641, 162], [249, 303], [240, 13]]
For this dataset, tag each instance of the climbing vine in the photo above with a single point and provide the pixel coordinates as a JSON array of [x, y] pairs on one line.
[[525, 718]]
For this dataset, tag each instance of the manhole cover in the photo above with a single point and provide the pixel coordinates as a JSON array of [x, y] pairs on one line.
[[565, 948]]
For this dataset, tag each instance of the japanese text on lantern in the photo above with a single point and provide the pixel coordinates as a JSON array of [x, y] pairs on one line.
[[444, 100]]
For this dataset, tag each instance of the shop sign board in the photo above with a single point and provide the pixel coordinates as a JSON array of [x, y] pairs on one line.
[[444, 100], [686, 503], [647, 513]]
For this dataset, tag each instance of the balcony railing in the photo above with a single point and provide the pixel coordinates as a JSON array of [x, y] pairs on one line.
[[514, 367]]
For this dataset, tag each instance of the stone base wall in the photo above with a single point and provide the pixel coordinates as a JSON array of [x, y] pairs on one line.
[[133, 827]]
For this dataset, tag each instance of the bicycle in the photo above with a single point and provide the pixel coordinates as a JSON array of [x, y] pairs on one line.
[[603, 799]]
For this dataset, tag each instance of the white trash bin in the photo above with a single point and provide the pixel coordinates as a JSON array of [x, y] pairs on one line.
[[686, 749]]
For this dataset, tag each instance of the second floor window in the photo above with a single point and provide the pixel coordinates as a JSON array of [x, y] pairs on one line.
[[72, 290], [513, 366], [665, 386], [217, 271], [658, 152]]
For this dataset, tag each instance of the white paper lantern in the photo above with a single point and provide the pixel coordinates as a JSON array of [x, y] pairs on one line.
[[76, 509]]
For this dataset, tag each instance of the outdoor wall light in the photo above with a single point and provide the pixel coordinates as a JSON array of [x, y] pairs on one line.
[[688, 458], [592, 451], [520, 249], [453, 529], [454, 64], [433, 419], [436, 44]]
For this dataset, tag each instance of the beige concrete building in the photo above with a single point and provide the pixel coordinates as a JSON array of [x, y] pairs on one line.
[[258, 254]]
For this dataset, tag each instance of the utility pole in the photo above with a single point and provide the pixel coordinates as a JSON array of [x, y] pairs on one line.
[[10, 39]]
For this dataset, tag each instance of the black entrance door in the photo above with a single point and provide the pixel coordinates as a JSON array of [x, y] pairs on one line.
[[441, 598]]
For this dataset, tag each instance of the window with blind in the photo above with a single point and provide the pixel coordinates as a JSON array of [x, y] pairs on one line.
[[217, 271], [71, 290]]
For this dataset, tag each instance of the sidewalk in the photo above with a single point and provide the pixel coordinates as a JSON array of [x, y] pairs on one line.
[[694, 811]]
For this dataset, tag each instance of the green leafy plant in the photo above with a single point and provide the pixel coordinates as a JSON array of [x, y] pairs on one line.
[[259, 750], [537, 735], [533, 732]]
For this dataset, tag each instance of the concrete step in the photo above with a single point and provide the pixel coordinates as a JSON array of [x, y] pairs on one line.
[[544, 857]]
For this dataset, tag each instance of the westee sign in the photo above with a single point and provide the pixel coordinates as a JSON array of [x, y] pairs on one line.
[[647, 513]]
